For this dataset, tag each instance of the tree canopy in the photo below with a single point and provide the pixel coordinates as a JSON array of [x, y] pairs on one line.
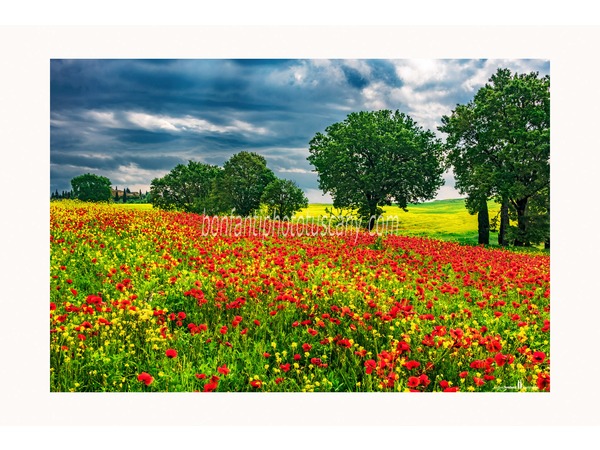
[[186, 187], [283, 198], [377, 158], [499, 147], [91, 188], [245, 177]]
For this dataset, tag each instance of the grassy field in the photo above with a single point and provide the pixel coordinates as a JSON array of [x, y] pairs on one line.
[[440, 219]]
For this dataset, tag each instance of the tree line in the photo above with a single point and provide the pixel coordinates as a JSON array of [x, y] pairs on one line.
[[242, 186], [497, 145], [97, 188]]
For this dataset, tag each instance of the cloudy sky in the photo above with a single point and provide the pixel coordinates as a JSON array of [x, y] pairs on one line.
[[134, 120]]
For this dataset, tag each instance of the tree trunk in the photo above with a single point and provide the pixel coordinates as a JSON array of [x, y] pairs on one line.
[[503, 223], [483, 224], [372, 217], [521, 207]]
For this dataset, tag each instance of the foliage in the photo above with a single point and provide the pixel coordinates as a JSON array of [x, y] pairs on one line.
[[186, 187], [372, 159], [91, 188], [499, 147], [245, 177], [283, 198]]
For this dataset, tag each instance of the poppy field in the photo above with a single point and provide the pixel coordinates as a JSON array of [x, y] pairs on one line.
[[154, 301]]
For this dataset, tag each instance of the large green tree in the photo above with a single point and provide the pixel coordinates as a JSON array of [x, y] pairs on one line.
[[91, 188], [499, 147], [377, 158], [283, 198], [186, 187], [245, 177]]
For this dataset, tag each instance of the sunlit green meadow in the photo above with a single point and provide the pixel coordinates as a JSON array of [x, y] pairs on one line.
[[439, 219]]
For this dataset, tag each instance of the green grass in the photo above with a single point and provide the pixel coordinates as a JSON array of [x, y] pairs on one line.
[[441, 219]]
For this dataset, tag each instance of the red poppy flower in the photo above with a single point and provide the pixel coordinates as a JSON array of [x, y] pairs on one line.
[[444, 384], [297, 357], [52, 306], [344, 343], [285, 367], [500, 359], [278, 380], [201, 376], [412, 364], [257, 322], [223, 369], [312, 332], [181, 315], [210, 387], [413, 382], [171, 353], [223, 329], [494, 346], [145, 378], [257, 384], [451, 389], [477, 364], [306, 347], [538, 357], [92, 299], [74, 292], [479, 381], [543, 381], [370, 365], [266, 355], [424, 380]]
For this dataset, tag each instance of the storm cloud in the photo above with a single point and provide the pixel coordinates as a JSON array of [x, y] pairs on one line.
[[134, 120]]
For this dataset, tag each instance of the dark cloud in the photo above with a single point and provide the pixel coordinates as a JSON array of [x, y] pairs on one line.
[[132, 120], [144, 137], [354, 77], [385, 71]]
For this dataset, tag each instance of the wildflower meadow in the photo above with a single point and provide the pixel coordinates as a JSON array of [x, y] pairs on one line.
[[148, 300]]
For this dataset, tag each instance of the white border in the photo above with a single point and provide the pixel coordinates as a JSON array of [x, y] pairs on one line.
[[24, 137]]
